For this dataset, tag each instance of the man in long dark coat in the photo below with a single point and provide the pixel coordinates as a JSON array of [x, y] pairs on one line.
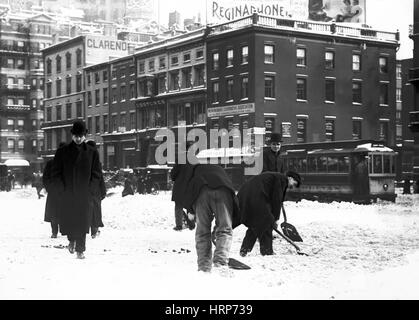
[[51, 205], [206, 191], [76, 176], [260, 201]]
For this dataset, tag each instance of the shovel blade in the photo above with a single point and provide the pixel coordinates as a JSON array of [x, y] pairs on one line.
[[291, 232]]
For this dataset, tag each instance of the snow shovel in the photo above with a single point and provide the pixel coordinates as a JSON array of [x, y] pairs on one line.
[[289, 230], [291, 242]]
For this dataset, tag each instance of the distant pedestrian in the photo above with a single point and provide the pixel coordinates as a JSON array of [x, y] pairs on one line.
[[128, 187], [37, 183], [76, 176], [52, 202], [209, 194], [272, 160], [260, 200], [11, 180]]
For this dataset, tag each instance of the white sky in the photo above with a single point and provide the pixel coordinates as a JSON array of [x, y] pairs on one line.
[[381, 14]]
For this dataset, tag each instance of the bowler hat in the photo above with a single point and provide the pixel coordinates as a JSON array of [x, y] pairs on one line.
[[79, 128], [276, 137]]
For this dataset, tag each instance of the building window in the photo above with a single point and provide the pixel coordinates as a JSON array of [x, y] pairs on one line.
[[230, 57], [187, 57], [330, 130], [114, 96], [11, 145], [186, 77], [132, 91], [383, 61], [162, 63], [245, 55], [132, 121], [68, 60], [141, 67], [398, 94], [301, 57], [58, 87], [245, 87], [199, 54], [20, 64], [356, 92], [151, 65], [215, 92], [114, 123], [162, 87], [329, 60], [384, 93], [356, 129], [301, 130], [34, 103], [199, 79], [49, 114], [229, 92], [383, 131], [269, 53], [123, 93], [21, 144], [68, 85], [269, 87], [301, 89], [105, 123], [97, 77], [215, 61], [11, 64], [11, 124], [330, 90], [79, 111], [105, 95], [174, 60], [89, 79], [356, 62], [58, 64], [105, 75], [97, 97], [58, 115], [78, 58], [49, 69], [97, 124], [89, 98], [78, 83], [174, 80], [68, 111], [399, 131]]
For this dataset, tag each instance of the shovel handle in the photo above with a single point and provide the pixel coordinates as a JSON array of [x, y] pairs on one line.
[[287, 239]]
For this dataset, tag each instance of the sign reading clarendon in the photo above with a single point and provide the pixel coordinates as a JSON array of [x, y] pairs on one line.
[[100, 48], [117, 45], [231, 110]]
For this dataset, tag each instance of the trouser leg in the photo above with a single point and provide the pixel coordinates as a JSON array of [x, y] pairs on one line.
[[265, 242], [81, 243], [178, 215], [204, 218], [54, 228], [249, 241], [222, 202]]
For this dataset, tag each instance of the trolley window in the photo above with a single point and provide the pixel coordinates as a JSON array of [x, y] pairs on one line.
[[343, 164], [388, 164], [322, 164], [311, 164], [377, 163], [332, 165]]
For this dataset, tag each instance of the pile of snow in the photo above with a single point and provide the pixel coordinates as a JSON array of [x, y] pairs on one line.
[[356, 252]]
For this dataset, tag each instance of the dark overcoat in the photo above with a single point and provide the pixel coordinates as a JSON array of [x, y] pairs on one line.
[[51, 205], [190, 180], [260, 200], [97, 204], [272, 161], [76, 176]]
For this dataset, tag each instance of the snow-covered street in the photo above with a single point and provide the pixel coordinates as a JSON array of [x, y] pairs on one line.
[[356, 252]]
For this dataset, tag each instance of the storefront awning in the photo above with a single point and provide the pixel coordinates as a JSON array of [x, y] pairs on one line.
[[16, 163]]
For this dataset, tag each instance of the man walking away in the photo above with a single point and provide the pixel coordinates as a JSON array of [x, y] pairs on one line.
[[260, 200], [52, 202], [76, 175]]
